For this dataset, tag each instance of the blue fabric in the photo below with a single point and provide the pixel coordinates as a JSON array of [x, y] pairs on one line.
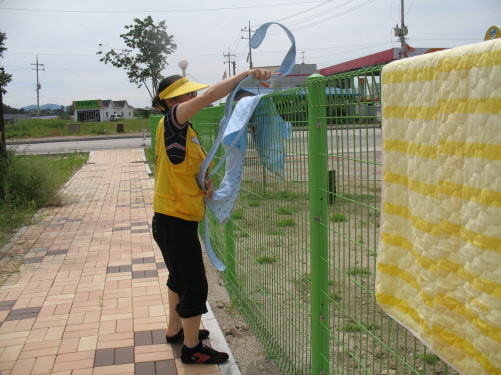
[[232, 135], [268, 133], [235, 146]]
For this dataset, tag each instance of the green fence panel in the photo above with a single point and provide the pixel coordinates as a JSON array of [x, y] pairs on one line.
[[301, 248]]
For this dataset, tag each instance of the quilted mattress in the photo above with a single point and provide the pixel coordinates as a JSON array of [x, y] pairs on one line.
[[439, 261]]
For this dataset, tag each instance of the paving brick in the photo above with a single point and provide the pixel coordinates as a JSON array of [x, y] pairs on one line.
[[92, 273], [104, 357], [145, 368], [124, 355], [166, 367], [43, 365]]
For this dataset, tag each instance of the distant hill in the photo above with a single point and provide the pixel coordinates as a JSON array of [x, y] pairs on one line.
[[44, 106]]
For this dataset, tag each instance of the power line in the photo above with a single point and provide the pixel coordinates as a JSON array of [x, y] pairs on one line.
[[334, 16], [303, 12], [314, 16], [159, 11], [293, 24]]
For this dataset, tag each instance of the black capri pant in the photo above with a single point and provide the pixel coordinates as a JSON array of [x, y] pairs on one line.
[[182, 252]]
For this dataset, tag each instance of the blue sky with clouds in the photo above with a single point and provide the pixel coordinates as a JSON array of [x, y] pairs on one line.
[[66, 36]]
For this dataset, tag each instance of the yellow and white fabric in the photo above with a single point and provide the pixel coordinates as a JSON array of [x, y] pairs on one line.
[[439, 261]]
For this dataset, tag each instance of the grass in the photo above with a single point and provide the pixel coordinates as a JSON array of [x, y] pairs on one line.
[[28, 183], [38, 128]]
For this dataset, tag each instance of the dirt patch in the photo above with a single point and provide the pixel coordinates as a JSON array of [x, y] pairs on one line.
[[248, 352]]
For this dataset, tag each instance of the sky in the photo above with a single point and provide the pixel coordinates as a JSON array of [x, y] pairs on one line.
[[65, 36]]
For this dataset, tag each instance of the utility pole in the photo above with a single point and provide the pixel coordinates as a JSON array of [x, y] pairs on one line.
[[229, 55], [249, 56], [38, 86], [401, 31]]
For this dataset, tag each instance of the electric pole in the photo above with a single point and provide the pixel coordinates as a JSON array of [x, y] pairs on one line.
[[401, 31], [249, 56], [38, 86], [229, 55]]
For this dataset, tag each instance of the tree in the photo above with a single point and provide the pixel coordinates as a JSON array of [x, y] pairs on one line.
[[5, 78], [146, 56]]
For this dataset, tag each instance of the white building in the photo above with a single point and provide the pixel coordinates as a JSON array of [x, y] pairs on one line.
[[101, 110]]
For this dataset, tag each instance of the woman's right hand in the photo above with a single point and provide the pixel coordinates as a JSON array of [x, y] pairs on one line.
[[260, 74]]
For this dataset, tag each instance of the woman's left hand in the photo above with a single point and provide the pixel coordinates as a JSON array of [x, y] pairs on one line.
[[209, 188]]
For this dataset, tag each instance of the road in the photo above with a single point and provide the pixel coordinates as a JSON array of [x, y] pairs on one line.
[[54, 146], [339, 142]]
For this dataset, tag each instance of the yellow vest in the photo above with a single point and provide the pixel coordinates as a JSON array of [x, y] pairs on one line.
[[176, 189]]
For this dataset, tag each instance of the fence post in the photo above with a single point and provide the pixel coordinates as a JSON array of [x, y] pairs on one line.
[[319, 206]]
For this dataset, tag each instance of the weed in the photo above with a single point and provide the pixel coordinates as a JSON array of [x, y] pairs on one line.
[[266, 260], [254, 203], [359, 197], [348, 327], [286, 195], [335, 296], [429, 358], [303, 286], [237, 215], [338, 217], [284, 211], [359, 271], [230, 308], [274, 233], [286, 223]]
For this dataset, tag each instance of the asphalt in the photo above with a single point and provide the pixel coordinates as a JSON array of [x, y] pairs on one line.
[[83, 288], [73, 138]]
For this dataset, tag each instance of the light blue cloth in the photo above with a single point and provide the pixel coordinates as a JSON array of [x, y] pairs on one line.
[[233, 135]]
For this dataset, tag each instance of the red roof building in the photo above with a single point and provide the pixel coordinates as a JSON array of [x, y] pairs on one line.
[[376, 59]]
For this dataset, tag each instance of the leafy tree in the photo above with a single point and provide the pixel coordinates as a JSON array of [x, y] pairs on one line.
[[146, 56], [5, 78]]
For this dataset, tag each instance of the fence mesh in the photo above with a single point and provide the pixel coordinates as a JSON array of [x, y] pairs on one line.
[[300, 248]]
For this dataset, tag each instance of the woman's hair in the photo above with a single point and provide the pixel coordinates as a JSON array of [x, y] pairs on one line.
[[157, 102]]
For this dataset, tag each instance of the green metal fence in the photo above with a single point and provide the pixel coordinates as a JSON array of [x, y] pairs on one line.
[[301, 248]]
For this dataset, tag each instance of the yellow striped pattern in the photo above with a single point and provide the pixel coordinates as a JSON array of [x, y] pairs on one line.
[[439, 261]]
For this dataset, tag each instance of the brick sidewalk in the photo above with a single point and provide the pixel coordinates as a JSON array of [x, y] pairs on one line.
[[89, 297]]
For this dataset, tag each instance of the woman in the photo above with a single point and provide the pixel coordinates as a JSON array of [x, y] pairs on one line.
[[179, 206]]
